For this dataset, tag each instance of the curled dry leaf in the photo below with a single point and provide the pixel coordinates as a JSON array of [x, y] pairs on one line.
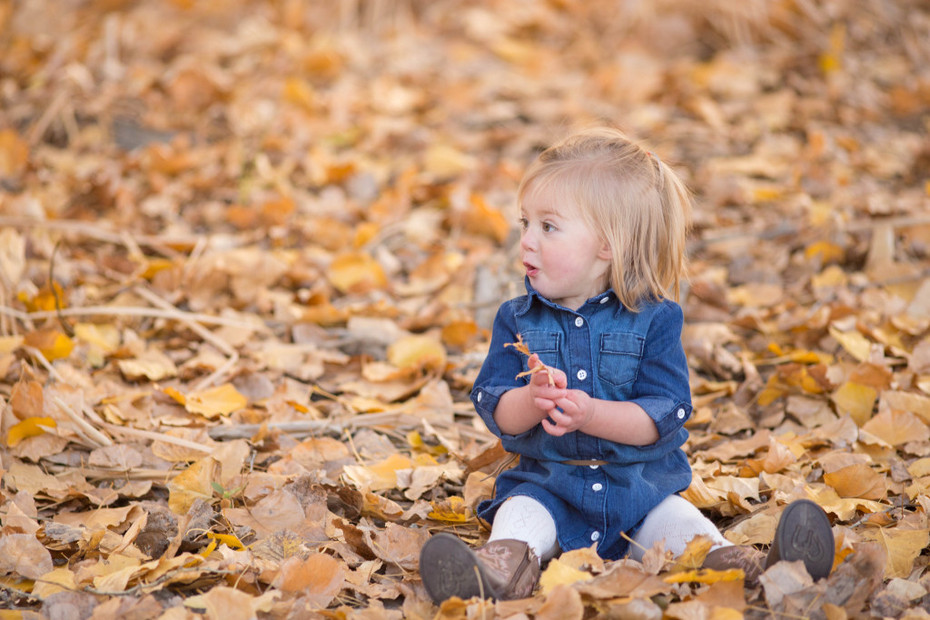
[[520, 346]]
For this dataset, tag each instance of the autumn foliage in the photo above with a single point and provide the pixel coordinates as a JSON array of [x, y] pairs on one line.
[[250, 252]]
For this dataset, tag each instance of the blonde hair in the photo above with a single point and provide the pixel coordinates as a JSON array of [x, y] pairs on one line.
[[631, 198]]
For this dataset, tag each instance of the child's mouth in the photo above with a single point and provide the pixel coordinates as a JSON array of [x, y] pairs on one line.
[[530, 269]]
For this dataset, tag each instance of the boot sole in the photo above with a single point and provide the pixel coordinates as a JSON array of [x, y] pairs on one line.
[[804, 533], [448, 567]]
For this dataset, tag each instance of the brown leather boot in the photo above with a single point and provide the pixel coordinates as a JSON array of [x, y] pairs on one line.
[[749, 559], [501, 569]]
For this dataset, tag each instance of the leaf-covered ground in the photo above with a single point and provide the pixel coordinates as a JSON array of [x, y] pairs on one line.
[[249, 254]]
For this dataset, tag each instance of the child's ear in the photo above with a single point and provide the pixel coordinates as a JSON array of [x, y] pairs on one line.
[[605, 252]]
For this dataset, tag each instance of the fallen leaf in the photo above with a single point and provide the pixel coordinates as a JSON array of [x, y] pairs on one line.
[[320, 577], [30, 427]]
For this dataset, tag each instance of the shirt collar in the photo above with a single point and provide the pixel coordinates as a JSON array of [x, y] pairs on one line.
[[532, 293]]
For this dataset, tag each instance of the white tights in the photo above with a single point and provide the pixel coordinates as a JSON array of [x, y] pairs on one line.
[[675, 519]]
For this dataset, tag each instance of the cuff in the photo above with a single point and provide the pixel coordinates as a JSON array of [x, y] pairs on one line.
[[668, 415]]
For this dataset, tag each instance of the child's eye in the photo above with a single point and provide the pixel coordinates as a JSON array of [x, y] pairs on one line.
[[524, 223], [547, 227]]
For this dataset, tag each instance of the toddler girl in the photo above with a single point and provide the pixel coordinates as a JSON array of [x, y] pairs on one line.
[[596, 412]]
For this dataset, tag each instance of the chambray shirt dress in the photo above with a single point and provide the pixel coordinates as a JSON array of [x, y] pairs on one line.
[[613, 354]]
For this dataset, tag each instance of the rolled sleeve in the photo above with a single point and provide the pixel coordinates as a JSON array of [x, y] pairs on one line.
[[668, 415], [500, 369], [662, 386]]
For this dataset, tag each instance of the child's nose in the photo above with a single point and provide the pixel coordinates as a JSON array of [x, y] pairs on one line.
[[527, 241]]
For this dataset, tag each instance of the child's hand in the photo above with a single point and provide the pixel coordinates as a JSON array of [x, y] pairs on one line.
[[571, 413], [546, 387]]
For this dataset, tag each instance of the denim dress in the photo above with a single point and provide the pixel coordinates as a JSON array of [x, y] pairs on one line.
[[612, 354]]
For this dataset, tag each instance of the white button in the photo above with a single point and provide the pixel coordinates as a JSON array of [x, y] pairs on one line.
[[604, 299], [582, 375], [681, 414], [480, 394], [579, 321], [597, 486], [595, 535], [593, 466]]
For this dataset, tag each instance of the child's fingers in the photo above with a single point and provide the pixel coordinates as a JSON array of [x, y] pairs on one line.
[[553, 429]]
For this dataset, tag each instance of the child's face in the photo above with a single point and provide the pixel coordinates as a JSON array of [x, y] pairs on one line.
[[566, 261]]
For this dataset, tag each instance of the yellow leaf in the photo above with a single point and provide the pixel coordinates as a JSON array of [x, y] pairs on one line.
[[230, 540], [831, 277], [693, 556], [706, 575], [53, 344], [829, 252], [105, 337], [903, 547], [8, 344], [452, 510], [205, 553], [300, 93], [855, 399], [853, 342], [379, 477], [417, 352], [57, 580], [156, 265], [583, 558], [558, 573], [30, 427], [365, 232], [195, 482], [356, 273], [153, 365], [831, 60], [766, 194], [444, 160], [215, 402]]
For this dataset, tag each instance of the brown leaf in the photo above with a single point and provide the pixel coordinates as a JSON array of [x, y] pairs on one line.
[[25, 555]]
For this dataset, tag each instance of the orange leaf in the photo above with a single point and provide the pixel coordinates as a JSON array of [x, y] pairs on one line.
[[897, 427], [27, 399], [320, 577], [857, 480], [176, 395], [482, 219], [14, 154]]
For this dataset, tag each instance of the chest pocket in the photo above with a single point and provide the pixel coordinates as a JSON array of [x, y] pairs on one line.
[[619, 358], [544, 344]]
